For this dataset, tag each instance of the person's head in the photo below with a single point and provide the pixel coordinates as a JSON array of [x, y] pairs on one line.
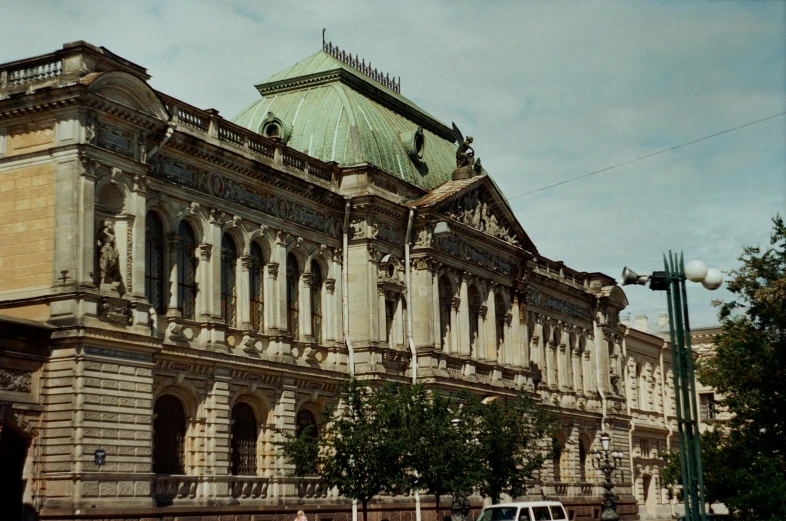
[[469, 139], [300, 513]]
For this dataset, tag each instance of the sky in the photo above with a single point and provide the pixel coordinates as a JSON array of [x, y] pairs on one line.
[[549, 90]]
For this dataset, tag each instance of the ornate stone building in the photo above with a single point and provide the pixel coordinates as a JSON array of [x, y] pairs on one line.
[[175, 285], [650, 406]]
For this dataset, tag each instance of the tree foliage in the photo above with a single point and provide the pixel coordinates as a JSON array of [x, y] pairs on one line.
[[396, 436], [748, 367], [510, 438]]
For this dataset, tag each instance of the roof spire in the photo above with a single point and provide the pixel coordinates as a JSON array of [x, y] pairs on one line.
[[360, 65]]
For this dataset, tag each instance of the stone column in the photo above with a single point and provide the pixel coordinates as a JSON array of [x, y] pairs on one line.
[[208, 293], [217, 426], [455, 328], [284, 419], [212, 275], [170, 259], [482, 352], [137, 207], [463, 318], [272, 299], [243, 292], [382, 317], [490, 346], [306, 334], [517, 336], [425, 304]]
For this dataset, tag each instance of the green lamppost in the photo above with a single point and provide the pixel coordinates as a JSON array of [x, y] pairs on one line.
[[672, 281]]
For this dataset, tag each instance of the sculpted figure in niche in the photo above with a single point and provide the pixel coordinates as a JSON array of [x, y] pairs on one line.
[[109, 257]]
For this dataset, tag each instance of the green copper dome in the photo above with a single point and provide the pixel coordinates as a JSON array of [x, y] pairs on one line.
[[333, 112]]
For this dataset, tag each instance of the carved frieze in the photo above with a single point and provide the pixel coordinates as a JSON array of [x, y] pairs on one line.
[[395, 359], [116, 139], [386, 233], [181, 173], [477, 210], [16, 380], [455, 246], [536, 297]]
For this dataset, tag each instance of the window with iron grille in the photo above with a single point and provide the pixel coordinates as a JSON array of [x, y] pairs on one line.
[[186, 271], [228, 266], [256, 277], [707, 406], [154, 262], [169, 435], [306, 424], [316, 302], [293, 280], [244, 440]]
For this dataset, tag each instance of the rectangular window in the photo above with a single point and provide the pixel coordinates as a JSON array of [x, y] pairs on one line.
[[707, 406]]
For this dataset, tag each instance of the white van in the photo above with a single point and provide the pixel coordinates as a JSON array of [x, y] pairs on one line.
[[524, 511]]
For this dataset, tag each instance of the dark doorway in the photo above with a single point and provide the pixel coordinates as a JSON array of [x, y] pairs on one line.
[[13, 450]]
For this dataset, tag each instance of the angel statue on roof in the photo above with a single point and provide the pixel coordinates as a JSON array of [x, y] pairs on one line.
[[465, 154]]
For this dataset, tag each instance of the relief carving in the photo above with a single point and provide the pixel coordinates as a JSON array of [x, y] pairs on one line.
[[118, 311], [16, 380], [476, 211]]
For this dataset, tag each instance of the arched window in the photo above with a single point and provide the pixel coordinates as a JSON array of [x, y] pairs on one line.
[[582, 461], [306, 424], [475, 303], [154, 262], [244, 440], [169, 435], [186, 271], [445, 300], [293, 281], [316, 302], [256, 284], [228, 266]]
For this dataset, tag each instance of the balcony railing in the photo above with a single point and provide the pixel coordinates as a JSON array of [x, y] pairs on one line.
[[167, 489]]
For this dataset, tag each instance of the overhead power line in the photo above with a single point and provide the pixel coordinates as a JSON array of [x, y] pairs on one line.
[[644, 157]]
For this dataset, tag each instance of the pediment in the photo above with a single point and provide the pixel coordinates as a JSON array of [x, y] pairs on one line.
[[129, 90], [480, 206]]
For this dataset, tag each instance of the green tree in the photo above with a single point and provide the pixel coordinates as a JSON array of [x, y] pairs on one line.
[[440, 455], [359, 447], [748, 367], [509, 435], [716, 480]]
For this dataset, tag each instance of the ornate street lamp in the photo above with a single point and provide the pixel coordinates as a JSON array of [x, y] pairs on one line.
[[607, 461], [672, 281]]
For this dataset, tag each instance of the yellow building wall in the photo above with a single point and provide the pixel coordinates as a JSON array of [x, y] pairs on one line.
[[27, 204]]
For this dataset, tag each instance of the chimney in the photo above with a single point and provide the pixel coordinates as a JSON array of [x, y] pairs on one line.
[[663, 320], [641, 323]]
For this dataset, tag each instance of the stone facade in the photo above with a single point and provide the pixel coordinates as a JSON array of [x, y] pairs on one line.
[[175, 288]]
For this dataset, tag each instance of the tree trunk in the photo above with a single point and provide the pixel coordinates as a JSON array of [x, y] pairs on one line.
[[364, 502], [437, 498]]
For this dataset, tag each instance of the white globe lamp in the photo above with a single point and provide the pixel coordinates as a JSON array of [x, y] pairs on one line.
[[695, 271], [713, 280]]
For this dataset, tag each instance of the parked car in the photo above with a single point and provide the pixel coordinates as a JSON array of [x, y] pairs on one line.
[[524, 511]]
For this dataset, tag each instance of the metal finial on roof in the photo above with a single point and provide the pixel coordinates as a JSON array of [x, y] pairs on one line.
[[360, 65]]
